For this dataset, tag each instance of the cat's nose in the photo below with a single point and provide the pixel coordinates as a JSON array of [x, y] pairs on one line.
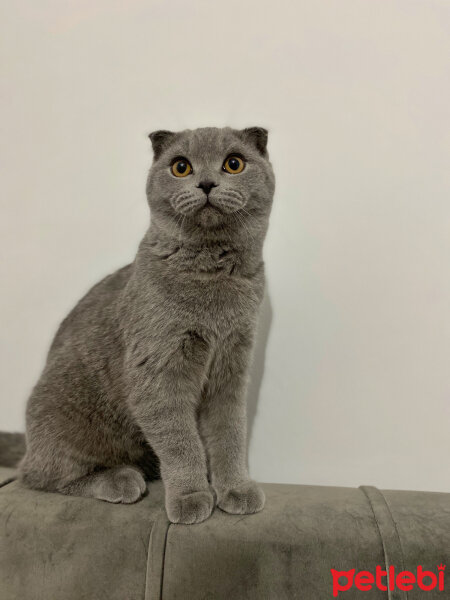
[[207, 186]]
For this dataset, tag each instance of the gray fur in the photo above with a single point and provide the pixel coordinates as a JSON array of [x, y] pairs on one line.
[[153, 361]]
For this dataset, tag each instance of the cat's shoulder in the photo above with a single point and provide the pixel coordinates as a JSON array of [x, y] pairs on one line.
[[96, 307]]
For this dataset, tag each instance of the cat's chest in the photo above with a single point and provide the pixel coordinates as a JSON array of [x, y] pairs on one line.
[[217, 303]]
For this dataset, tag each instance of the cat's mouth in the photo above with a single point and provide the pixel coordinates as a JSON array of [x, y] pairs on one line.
[[209, 211], [209, 205]]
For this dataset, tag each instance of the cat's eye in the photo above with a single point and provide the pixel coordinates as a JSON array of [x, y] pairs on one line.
[[234, 164], [181, 167]]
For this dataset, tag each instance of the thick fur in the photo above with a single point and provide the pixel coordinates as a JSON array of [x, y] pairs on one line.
[[148, 372]]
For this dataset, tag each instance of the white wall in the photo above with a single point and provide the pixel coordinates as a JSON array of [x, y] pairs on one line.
[[356, 378]]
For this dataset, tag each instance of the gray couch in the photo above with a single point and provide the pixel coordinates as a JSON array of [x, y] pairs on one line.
[[55, 547]]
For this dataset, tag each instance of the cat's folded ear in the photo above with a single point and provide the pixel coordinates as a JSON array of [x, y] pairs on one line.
[[258, 137], [159, 140]]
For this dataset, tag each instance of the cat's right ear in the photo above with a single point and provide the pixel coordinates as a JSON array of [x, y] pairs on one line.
[[159, 140]]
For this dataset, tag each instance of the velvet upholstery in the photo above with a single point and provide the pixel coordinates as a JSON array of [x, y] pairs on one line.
[[55, 547]]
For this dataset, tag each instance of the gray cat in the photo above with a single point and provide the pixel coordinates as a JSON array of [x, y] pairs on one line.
[[148, 372]]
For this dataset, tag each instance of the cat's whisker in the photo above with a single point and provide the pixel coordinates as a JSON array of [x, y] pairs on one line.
[[181, 229], [245, 211], [244, 225], [241, 224]]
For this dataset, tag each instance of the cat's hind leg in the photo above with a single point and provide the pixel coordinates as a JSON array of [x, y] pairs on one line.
[[123, 484]]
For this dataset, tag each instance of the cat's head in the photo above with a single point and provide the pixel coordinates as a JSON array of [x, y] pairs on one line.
[[210, 179]]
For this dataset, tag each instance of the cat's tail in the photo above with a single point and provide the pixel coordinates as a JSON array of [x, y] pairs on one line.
[[12, 448]]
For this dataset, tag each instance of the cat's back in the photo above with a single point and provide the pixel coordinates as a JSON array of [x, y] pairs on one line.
[[96, 312]]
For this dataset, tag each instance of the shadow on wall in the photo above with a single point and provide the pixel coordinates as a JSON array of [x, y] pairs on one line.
[[259, 358]]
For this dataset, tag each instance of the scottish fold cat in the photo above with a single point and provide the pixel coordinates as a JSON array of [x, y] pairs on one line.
[[148, 372]]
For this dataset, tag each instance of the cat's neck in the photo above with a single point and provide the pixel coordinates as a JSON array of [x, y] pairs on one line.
[[203, 252]]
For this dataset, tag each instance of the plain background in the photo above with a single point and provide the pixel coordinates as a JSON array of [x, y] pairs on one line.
[[351, 382]]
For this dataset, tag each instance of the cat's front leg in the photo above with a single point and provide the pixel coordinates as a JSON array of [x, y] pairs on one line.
[[165, 393], [223, 427]]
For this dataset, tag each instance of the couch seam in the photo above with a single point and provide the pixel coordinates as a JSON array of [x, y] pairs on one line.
[[7, 481], [371, 492], [163, 562], [156, 557]]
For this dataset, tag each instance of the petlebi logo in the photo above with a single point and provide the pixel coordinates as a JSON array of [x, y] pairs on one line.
[[388, 580]]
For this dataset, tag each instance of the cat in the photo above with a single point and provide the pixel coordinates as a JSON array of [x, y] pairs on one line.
[[147, 375]]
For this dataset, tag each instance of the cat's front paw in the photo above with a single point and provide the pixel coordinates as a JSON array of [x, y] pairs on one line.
[[243, 499], [190, 508]]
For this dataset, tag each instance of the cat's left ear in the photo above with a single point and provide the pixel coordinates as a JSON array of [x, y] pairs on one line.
[[258, 137], [159, 140]]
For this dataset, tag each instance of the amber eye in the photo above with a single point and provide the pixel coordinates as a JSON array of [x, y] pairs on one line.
[[181, 167], [233, 164]]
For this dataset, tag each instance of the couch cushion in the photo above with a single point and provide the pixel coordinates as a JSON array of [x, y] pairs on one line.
[[284, 552], [55, 547]]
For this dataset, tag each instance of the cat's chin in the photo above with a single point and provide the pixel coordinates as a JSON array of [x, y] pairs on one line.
[[209, 217]]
